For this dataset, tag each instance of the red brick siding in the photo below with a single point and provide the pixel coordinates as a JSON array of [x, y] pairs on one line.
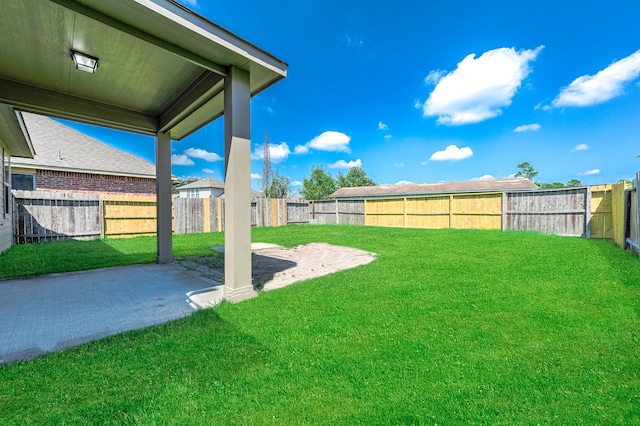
[[51, 180]]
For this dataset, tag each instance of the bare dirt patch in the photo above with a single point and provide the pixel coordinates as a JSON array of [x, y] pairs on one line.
[[278, 267]]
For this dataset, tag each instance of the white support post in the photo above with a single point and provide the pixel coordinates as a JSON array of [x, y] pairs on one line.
[[163, 197], [237, 187]]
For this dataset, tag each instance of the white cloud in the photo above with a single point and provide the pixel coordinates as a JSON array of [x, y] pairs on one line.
[[181, 160], [301, 149], [403, 182], [608, 83], [277, 152], [388, 136], [341, 164], [484, 177], [434, 76], [417, 104], [202, 154], [424, 163], [208, 171], [580, 147], [256, 176], [479, 88], [327, 141], [527, 128], [296, 183], [590, 172], [399, 164], [382, 126], [452, 153]]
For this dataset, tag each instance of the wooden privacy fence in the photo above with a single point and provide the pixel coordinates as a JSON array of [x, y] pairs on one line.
[[47, 216], [560, 211], [191, 215], [128, 215], [50, 216], [605, 212], [331, 212], [632, 219], [593, 212]]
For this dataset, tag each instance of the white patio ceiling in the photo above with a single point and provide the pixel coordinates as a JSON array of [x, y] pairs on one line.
[[161, 66]]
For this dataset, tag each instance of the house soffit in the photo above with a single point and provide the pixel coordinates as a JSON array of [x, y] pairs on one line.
[[161, 67]]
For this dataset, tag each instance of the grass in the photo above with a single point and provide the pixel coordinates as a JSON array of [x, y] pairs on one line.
[[66, 256], [445, 327]]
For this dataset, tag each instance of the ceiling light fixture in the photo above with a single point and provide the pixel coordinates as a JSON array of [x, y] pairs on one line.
[[84, 62]]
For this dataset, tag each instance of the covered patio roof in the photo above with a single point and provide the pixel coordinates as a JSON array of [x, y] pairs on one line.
[[161, 67], [162, 70]]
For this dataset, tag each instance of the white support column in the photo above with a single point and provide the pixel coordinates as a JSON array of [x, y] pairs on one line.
[[237, 187], [163, 197]]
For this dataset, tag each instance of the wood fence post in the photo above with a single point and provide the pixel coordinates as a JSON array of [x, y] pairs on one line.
[[404, 212], [450, 211], [101, 217], [364, 212], [587, 213], [337, 214], [504, 211]]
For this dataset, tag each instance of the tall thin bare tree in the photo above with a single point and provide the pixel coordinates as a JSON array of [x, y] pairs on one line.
[[266, 166]]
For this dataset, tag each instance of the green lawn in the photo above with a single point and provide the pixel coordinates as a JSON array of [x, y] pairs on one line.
[[444, 327], [66, 256]]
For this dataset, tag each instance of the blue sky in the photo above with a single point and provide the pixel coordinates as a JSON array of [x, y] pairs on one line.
[[426, 91]]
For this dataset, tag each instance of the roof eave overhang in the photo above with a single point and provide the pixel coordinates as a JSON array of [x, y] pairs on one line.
[[13, 133], [184, 34]]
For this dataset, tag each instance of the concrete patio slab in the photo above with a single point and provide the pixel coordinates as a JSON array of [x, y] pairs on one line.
[[53, 312]]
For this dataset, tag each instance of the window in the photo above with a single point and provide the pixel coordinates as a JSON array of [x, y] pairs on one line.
[[23, 181], [193, 193]]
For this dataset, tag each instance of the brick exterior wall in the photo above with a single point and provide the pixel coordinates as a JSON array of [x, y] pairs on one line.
[[52, 180]]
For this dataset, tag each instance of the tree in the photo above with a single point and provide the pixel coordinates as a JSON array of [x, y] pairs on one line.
[[266, 165], [356, 176], [278, 187], [319, 186], [176, 184], [554, 185], [526, 171], [574, 182]]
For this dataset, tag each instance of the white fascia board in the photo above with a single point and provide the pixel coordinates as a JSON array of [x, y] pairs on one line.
[[202, 26]]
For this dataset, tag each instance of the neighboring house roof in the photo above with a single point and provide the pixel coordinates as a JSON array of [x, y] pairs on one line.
[[435, 188], [203, 183], [58, 147]]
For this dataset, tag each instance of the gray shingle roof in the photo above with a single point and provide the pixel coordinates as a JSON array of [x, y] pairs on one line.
[[204, 183], [59, 147], [435, 188]]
